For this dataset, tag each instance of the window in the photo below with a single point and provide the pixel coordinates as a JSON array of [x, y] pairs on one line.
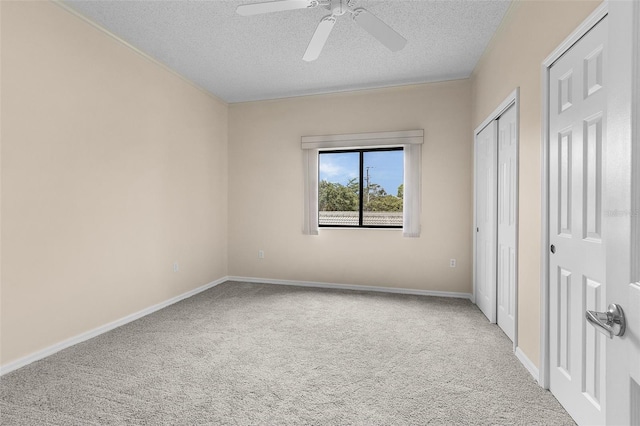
[[361, 188], [408, 144]]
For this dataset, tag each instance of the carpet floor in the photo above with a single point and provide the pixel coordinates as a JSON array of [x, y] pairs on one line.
[[258, 354]]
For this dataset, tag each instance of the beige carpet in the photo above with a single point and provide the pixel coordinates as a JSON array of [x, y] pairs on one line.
[[262, 354]]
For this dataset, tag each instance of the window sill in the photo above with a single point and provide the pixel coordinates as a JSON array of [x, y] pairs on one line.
[[356, 228]]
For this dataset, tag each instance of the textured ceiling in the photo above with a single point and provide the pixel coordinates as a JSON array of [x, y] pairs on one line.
[[260, 57]]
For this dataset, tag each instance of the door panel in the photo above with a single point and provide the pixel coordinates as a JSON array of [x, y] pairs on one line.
[[577, 129], [593, 345], [593, 178], [485, 179], [563, 361], [507, 202]]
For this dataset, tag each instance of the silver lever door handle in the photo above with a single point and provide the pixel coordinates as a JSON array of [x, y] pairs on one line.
[[612, 323]]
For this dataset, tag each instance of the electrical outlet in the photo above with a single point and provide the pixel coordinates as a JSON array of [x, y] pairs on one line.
[[452, 263], [176, 267], [260, 254]]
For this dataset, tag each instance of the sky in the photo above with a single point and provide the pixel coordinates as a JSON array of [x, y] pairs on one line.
[[386, 168]]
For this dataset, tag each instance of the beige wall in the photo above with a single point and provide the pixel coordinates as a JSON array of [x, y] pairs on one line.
[[529, 33], [112, 169], [266, 192]]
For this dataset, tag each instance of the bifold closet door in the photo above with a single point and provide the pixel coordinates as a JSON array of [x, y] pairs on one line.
[[507, 272], [485, 182]]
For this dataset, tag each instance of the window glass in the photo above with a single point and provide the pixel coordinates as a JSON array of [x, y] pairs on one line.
[[361, 188], [339, 189], [383, 188]]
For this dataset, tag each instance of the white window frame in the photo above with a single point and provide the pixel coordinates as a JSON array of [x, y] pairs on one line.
[[410, 140]]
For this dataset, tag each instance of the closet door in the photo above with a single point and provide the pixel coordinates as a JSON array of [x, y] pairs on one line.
[[507, 213], [485, 250]]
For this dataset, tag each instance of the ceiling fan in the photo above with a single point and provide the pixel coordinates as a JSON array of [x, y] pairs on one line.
[[367, 20]]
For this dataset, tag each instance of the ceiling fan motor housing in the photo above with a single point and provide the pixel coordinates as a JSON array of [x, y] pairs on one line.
[[340, 7]]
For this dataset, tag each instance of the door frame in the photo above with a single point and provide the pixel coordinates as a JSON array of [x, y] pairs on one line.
[[513, 99], [635, 147]]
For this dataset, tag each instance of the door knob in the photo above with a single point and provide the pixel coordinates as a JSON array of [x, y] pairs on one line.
[[611, 323], [552, 248]]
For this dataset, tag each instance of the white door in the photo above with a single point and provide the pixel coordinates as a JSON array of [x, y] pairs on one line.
[[485, 178], [577, 133], [507, 212], [622, 208]]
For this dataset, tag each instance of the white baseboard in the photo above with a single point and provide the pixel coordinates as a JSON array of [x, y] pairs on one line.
[[530, 366], [14, 365], [354, 287], [21, 362]]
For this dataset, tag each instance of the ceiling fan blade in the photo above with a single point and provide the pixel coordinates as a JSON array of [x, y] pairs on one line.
[[377, 28], [274, 6], [319, 38]]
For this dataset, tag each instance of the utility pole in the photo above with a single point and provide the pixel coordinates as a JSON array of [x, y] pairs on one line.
[[367, 179]]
